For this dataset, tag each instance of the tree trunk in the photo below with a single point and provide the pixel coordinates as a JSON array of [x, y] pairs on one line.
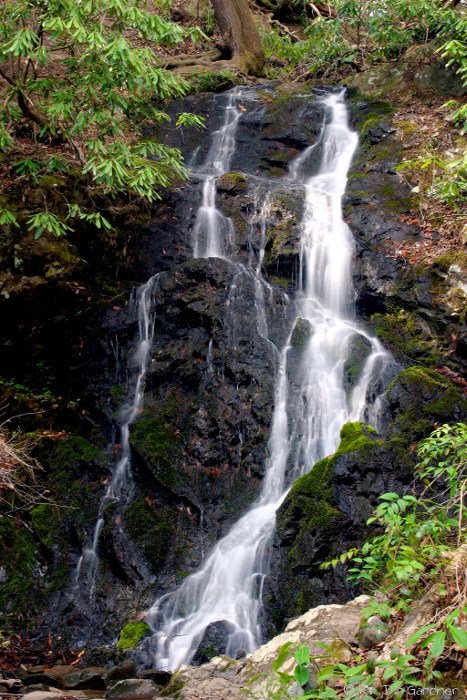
[[240, 35]]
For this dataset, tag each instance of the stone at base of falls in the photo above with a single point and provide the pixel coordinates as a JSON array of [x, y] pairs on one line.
[[133, 689], [87, 679], [213, 643], [126, 669], [334, 625], [44, 695]]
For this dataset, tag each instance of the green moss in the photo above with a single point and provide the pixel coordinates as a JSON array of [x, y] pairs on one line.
[[451, 257], [212, 81], [19, 560], [407, 127], [118, 392], [151, 530], [279, 281], [408, 335], [132, 634], [310, 505], [155, 437], [355, 436], [175, 685], [73, 451], [301, 334], [46, 524], [311, 498], [230, 182], [424, 397]]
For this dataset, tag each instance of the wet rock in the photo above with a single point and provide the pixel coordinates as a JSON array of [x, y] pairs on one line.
[[58, 672], [284, 216], [417, 399], [325, 514], [44, 678], [160, 678], [101, 655], [85, 679], [10, 685], [301, 334], [122, 671], [132, 689], [232, 183], [213, 642], [359, 349]]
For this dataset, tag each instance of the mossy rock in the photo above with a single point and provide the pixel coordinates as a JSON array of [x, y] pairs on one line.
[[358, 351], [408, 335], [301, 334], [417, 399], [47, 524], [232, 183], [132, 634], [310, 501], [151, 530], [71, 453], [155, 437], [18, 557]]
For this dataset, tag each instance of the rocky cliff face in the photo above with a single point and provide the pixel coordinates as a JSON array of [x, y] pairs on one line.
[[199, 445]]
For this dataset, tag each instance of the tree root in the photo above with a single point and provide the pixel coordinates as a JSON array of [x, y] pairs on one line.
[[209, 61], [193, 59]]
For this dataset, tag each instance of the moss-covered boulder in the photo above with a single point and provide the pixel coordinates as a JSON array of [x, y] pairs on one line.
[[132, 634], [151, 529], [419, 398], [301, 334], [325, 513], [232, 183]]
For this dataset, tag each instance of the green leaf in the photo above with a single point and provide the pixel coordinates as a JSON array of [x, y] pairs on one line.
[[282, 655], [301, 675], [416, 636], [459, 635], [437, 644], [8, 218], [302, 655]]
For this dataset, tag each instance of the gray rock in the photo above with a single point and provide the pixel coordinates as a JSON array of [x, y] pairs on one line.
[[43, 695], [133, 689], [42, 679], [213, 642], [92, 678], [373, 632], [10, 685], [127, 669]]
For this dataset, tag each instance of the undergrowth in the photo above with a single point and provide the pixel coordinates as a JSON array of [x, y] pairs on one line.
[[416, 554]]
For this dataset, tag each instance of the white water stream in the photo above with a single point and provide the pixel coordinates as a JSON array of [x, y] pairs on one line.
[[307, 416], [120, 484]]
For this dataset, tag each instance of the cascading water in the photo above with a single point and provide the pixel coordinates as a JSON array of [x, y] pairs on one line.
[[120, 485], [308, 412], [213, 232]]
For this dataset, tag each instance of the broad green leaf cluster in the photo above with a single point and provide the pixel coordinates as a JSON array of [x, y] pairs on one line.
[[417, 529], [84, 74], [361, 32]]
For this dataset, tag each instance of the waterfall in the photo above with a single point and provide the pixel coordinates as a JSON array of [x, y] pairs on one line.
[[120, 485], [308, 413]]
